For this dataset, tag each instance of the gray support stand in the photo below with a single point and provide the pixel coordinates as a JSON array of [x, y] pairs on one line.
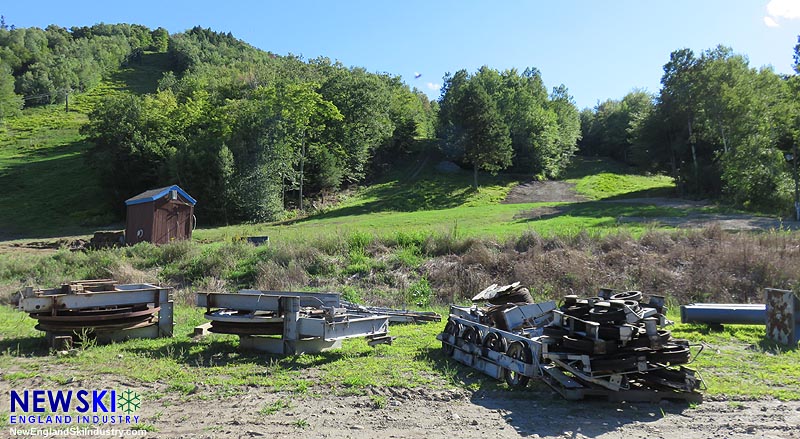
[[165, 322], [290, 306]]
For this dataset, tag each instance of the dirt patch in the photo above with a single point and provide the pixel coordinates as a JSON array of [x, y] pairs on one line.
[[732, 222], [543, 191], [433, 413]]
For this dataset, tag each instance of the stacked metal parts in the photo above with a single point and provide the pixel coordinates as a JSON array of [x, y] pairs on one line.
[[617, 342], [613, 345], [99, 309]]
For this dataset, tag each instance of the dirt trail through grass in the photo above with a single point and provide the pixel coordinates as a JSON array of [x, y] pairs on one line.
[[543, 191], [693, 213]]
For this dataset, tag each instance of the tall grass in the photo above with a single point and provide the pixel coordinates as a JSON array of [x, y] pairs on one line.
[[407, 268]]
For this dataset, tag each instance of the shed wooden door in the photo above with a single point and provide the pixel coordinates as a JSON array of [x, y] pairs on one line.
[[173, 228], [184, 223]]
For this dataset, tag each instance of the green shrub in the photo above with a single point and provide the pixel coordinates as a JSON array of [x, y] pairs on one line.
[[420, 293]]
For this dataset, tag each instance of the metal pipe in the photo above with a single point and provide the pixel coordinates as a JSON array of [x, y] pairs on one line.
[[724, 313]]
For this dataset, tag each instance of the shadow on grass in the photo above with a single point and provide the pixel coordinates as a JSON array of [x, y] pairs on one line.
[[142, 76], [656, 192], [53, 194], [539, 410], [25, 346], [431, 191], [226, 352], [584, 166], [599, 209]]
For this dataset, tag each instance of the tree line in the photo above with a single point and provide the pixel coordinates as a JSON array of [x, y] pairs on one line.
[[251, 133], [41, 66], [506, 120], [718, 126]]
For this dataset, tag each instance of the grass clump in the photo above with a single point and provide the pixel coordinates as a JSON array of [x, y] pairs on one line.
[[274, 407]]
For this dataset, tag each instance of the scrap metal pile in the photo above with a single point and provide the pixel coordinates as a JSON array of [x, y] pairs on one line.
[[613, 345], [99, 309]]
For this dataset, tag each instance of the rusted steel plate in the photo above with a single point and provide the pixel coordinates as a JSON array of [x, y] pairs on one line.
[[783, 316]]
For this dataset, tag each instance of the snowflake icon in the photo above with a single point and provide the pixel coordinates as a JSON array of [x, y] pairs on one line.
[[129, 401]]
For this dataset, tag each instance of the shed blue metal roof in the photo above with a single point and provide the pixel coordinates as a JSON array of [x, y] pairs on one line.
[[155, 194]]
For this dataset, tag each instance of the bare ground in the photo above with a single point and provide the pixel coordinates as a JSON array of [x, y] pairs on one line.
[[543, 191], [434, 413]]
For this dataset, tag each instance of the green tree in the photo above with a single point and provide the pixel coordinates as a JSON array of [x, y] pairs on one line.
[[487, 144], [305, 113], [10, 103], [160, 39]]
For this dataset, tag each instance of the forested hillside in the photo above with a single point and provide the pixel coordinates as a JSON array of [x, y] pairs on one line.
[[253, 134], [719, 126]]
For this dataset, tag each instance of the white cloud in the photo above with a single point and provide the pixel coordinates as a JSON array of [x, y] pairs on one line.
[[770, 22], [789, 9], [433, 86]]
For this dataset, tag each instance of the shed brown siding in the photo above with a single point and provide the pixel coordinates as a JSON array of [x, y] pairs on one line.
[[172, 220], [161, 221], [139, 223]]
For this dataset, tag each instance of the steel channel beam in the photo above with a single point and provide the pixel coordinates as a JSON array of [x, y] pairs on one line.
[[534, 313], [332, 300], [487, 367], [90, 300], [239, 302], [348, 328], [724, 313], [252, 302]]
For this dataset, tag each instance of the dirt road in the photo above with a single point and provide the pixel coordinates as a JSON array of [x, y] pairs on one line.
[[433, 413]]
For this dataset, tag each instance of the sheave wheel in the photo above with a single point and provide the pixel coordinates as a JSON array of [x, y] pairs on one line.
[[495, 342], [518, 351], [453, 329]]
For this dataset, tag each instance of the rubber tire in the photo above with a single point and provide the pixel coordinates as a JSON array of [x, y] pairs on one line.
[[616, 364], [642, 341], [518, 351], [671, 354], [577, 344], [580, 310], [554, 331]]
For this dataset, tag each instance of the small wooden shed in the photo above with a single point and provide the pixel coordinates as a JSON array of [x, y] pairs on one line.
[[159, 216]]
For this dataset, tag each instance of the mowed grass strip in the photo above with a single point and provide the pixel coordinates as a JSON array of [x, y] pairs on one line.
[[214, 362], [739, 361]]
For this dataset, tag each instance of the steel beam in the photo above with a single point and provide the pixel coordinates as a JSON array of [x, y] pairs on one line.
[[257, 302], [346, 328], [48, 303], [332, 300], [724, 313]]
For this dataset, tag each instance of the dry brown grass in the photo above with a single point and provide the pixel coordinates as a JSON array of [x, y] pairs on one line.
[[699, 265], [704, 265]]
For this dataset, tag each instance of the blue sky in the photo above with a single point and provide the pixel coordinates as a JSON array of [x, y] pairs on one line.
[[598, 49]]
